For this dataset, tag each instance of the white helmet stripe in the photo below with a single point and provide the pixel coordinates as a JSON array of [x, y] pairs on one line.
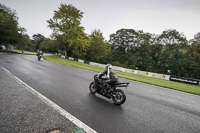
[[108, 73]]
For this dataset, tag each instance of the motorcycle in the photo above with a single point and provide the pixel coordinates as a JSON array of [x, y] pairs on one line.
[[39, 57], [117, 95]]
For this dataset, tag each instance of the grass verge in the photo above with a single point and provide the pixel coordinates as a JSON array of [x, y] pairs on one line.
[[20, 51], [24, 52], [193, 89]]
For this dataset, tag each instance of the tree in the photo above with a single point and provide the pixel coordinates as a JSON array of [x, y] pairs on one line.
[[25, 42], [122, 41], [193, 57], [99, 48], [131, 48], [174, 45], [49, 45], [156, 53], [9, 27], [80, 46], [37, 39], [67, 29]]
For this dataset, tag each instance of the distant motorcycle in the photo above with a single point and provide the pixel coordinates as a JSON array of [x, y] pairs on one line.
[[100, 87], [39, 55]]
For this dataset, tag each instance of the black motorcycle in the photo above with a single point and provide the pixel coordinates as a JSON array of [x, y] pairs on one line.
[[39, 56], [100, 87]]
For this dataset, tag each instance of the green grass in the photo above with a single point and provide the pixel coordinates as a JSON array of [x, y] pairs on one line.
[[194, 89], [56, 59], [20, 51], [25, 52]]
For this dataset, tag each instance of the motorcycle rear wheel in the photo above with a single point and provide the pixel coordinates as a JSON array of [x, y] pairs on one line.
[[92, 88], [119, 97]]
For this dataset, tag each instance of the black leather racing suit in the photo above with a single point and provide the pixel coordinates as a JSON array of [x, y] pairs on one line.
[[111, 80]]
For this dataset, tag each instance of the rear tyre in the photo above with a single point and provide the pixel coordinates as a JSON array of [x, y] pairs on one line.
[[119, 97], [92, 88], [39, 57]]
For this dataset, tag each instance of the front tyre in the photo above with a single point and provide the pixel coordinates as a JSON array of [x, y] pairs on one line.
[[119, 97], [92, 88]]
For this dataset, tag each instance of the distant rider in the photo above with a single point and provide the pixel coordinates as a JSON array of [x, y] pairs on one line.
[[111, 77], [39, 52]]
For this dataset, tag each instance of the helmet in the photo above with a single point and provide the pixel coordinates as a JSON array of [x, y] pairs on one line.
[[108, 66]]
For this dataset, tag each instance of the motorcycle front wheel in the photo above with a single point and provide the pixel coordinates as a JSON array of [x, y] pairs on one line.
[[92, 88], [119, 97]]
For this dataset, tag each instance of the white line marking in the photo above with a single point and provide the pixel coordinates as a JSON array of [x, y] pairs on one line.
[[63, 112]]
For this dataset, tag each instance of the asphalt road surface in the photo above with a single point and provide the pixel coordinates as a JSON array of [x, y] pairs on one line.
[[147, 109]]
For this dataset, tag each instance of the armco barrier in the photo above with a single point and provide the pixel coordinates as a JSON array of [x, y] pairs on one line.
[[101, 65], [144, 73], [93, 63], [79, 60], [71, 58], [160, 76], [129, 70], [150, 74], [119, 68]]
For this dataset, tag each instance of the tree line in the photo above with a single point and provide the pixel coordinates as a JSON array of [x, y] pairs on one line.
[[10, 31], [167, 53]]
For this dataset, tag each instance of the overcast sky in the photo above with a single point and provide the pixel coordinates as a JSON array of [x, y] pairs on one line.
[[153, 16]]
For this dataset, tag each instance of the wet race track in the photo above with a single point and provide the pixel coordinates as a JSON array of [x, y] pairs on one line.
[[147, 108]]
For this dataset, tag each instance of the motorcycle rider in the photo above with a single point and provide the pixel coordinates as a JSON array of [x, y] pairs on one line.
[[39, 52], [111, 77]]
